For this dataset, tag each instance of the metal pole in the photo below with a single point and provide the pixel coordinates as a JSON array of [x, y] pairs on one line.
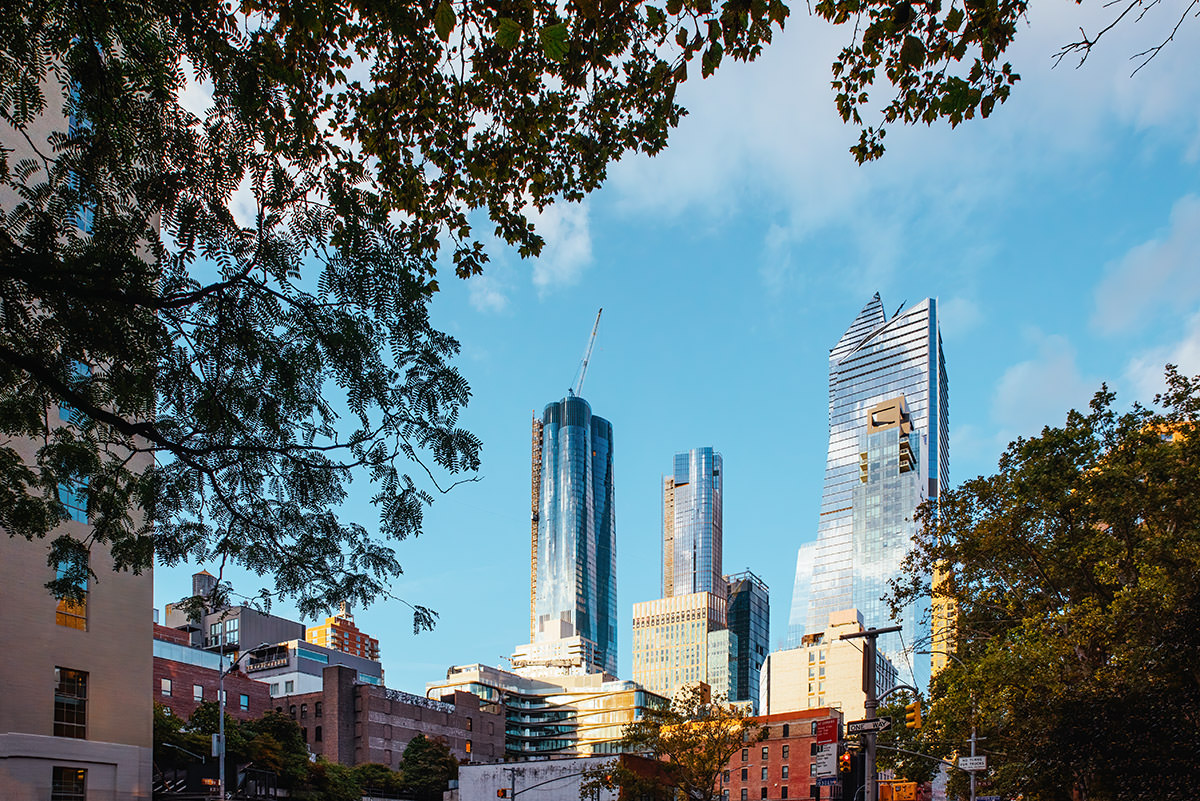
[[221, 728], [972, 754], [870, 705]]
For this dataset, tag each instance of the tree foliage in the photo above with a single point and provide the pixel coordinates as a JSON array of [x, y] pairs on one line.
[[240, 286], [1076, 574], [693, 738], [427, 767], [906, 751]]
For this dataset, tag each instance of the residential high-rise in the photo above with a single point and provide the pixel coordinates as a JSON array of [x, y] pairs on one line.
[[340, 633], [749, 621], [692, 524], [888, 451], [573, 581]]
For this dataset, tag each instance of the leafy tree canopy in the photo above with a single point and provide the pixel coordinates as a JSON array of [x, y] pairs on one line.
[[694, 738], [1076, 573], [427, 767]]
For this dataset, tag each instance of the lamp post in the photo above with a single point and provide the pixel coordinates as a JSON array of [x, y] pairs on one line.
[[221, 714]]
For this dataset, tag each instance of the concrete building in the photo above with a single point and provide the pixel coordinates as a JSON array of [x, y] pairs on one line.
[[548, 780], [298, 666], [581, 714], [351, 722], [573, 556], [340, 633], [231, 629], [780, 767], [823, 672], [888, 452], [185, 677]]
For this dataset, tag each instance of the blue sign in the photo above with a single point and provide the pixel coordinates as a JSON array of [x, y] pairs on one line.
[[830, 781]]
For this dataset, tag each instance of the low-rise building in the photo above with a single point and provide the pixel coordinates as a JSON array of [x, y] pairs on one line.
[[297, 667], [782, 766], [353, 722], [185, 677], [231, 629], [572, 714]]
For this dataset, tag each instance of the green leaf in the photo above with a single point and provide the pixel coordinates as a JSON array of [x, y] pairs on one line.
[[655, 17], [554, 41], [674, 7], [912, 53], [953, 20], [444, 21], [508, 33]]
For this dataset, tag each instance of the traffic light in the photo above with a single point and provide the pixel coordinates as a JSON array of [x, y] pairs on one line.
[[844, 762], [502, 792], [912, 715]]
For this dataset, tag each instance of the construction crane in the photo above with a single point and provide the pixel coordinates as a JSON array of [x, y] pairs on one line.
[[587, 356]]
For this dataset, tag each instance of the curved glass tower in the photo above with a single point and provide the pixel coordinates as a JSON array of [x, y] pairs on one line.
[[692, 525], [888, 451], [573, 581]]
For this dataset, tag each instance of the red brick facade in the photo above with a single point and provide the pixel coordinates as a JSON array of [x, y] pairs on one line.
[[758, 770], [189, 685], [356, 723]]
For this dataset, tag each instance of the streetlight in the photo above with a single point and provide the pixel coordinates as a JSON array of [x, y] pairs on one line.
[[221, 714]]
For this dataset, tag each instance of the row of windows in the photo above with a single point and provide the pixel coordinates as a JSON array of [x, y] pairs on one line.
[[166, 687], [783, 793]]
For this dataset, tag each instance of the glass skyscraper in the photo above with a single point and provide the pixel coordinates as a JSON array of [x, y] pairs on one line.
[[692, 524], [749, 619], [573, 568], [888, 451]]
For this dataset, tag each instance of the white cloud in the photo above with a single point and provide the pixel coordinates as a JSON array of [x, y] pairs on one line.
[[957, 316], [1145, 372], [1039, 392], [1157, 276], [568, 250], [487, 294]]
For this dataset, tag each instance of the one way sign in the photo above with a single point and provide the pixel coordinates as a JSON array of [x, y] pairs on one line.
[[864, 726]]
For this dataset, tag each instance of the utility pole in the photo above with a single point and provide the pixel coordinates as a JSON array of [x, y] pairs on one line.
[[972, 754], [871, 704]]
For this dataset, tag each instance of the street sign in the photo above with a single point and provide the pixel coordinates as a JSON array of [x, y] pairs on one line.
[[987, 798], [827, 731], [904, 791], [864, 726], [972, 764], [826, 760], [827, 781]]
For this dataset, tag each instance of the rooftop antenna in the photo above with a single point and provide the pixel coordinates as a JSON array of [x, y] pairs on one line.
[[587, 356]]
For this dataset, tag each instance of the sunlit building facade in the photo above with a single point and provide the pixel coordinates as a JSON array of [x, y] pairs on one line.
[[888, 451], [682, 640], [341, 634], [573, 565], [692, 513]]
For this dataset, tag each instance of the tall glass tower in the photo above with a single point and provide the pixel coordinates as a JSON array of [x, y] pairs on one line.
[[573, 570], [692, 524], [888, 451]]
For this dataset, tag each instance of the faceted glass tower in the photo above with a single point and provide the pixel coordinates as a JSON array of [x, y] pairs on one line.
[[888, 451], [692, 524], [573, 577]]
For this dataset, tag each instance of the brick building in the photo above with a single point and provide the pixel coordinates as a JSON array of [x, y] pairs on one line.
[[781, 766], [184, 677], [352, 722]]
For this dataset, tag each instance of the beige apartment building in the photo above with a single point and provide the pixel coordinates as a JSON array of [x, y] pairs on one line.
[[75, 708], [823, 672]]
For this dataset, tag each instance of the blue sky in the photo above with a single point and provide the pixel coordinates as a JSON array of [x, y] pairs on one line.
[[1061, 236]]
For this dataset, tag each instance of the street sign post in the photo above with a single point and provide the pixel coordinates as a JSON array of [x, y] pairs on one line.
[[864, 726], [973, 763], [827, 731], [826, 759]]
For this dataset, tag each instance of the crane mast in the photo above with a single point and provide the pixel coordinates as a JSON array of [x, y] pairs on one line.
[[587, 355]]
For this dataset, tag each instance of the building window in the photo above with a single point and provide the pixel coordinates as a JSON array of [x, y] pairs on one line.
[[197, 692], [812, 769], [292, 711], [783, 792], [764, 773], [275, 688], [744, 774], [745, 754], [764, 753], [813, 748], [725, 777], [317, 734], [468, 746], [786, 729], [470, 725], [786, 749], [70, 703], [744, 794], [290, 686], [762, 793], [785, 772], [73, 495], [165, 688], [68, 784], [303, 711], [317, 709], [244, 701], [814, 728], [72, 614]]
